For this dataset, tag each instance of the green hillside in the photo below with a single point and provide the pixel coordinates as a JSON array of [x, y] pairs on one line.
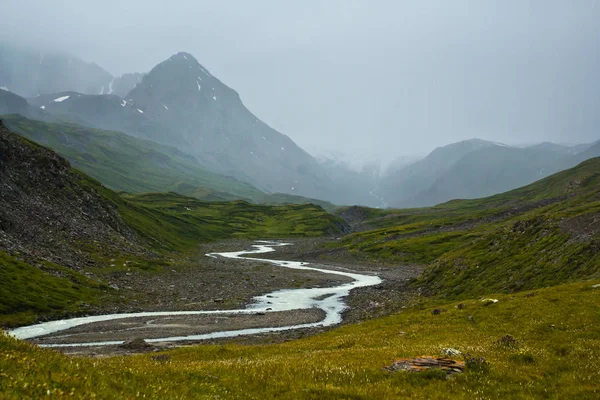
[[283, 198], [178, 222], [125, 163], [134, 165], [543, 234]]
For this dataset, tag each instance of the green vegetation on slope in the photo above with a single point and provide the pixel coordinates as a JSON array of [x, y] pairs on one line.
[[134, 165], [543, 234], [555, 355], [126, 163], [178, 222], [283, 198], [48, 289]]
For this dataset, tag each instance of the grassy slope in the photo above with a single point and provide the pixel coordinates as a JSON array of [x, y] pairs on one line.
[[179, 222], [513, 241], [48, 289], [558, 333], [123, 162], [283, 198]]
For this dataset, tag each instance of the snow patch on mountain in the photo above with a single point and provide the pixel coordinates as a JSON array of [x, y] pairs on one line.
[[60, 99], [383, 203]]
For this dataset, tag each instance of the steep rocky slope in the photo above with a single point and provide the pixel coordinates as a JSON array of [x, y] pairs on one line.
[[49, 211]]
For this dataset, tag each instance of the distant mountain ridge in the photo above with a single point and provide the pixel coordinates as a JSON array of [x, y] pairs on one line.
[[30, 73], [11, 103], [476, 168], [415, 178]]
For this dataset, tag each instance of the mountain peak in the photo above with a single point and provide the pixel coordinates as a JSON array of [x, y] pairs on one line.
[[180, 81], [184, 59], [185, 55]]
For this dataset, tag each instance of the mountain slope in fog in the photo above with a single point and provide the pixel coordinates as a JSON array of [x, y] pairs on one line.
[[479, 171], [400, 184], [30, 73], [180, 103]]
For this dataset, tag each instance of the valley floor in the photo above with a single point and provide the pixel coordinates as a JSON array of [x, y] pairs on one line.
[[218, 283]]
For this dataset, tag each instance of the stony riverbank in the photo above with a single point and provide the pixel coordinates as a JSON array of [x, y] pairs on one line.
[[217, 283]]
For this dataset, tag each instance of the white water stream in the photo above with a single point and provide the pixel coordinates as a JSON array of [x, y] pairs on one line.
[[329, 300]]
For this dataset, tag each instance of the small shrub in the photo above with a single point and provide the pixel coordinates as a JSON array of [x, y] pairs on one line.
[[476, 364], [507, 341]]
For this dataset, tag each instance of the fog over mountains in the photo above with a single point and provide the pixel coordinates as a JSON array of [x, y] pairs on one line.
[[32, 72], [381, 104], [180, 103]]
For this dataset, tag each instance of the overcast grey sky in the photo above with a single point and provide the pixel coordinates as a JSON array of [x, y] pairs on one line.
[[385, 77]]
